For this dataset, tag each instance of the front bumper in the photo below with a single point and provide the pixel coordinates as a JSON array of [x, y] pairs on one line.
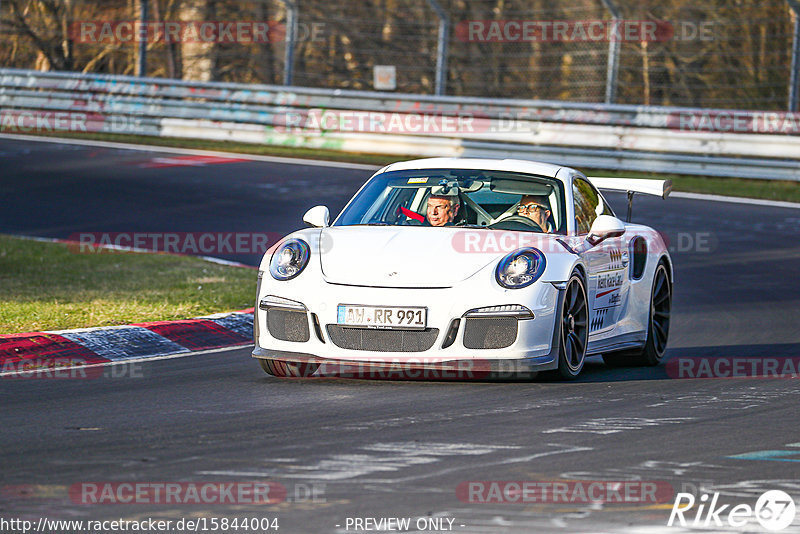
[[316, 337]]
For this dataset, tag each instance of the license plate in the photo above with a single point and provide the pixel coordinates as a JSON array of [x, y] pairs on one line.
[[406, 317]]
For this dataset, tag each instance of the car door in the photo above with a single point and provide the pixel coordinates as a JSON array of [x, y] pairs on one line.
[[607, 287]]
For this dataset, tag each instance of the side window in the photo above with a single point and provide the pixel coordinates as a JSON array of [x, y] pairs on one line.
[[604, 208], [586, 203]]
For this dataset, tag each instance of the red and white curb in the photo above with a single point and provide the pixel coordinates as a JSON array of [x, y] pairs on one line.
[[68, 349]]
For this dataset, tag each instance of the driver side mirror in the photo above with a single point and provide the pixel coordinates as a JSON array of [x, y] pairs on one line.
[[317, 217], [604, 227]]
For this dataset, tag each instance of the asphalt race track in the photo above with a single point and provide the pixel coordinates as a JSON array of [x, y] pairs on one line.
[[352, 448]]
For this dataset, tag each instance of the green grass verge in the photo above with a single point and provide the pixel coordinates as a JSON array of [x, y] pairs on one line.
[[49, 286], [738, 187]]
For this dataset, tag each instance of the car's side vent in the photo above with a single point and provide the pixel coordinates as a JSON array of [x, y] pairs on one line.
[[452, 332], [490, 333], [638, 254], [317, 327], [288, 325]]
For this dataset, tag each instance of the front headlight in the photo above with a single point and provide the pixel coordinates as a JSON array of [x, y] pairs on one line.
[[289, 259], [520, 268]]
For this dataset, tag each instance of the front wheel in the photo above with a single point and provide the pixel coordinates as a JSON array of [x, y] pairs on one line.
[[574, 328], [284, 369], [657, 329]]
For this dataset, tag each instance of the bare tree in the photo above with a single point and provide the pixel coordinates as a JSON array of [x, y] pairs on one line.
[[199, 61]]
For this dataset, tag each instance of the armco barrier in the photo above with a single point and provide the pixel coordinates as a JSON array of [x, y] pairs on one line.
[[680, 140]]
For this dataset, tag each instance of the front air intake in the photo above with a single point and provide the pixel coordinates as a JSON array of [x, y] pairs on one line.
[[288, 325], [382, 340], [490, 332]]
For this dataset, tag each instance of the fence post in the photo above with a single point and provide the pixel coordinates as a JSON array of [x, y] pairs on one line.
[[794, 75], [142, 36], [441, 49], [291, 37], [612, 68]]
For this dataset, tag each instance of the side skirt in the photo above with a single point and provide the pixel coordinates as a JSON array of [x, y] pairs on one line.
[[633, 340]]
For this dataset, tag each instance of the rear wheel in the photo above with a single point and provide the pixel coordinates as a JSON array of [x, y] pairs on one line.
[[574, 327], [284, 369], [657, 330]]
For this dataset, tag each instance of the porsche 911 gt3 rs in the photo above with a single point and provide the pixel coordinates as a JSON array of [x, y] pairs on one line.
[[502, 265]]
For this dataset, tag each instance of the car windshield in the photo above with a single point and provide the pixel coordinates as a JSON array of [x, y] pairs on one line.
[[459, 197]]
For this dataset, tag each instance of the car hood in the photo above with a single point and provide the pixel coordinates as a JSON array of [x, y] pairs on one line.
[[402, 257]]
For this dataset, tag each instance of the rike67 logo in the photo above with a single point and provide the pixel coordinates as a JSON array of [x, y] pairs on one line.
[[774, 510]]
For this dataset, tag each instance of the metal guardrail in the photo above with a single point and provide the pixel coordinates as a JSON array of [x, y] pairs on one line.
[[606, 136]]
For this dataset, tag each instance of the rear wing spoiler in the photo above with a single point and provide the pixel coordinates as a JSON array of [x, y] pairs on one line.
[[659, 188]]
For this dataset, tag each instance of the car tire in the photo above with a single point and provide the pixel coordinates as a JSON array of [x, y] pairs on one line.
[[657, 330], [285, 369], [573, 328]]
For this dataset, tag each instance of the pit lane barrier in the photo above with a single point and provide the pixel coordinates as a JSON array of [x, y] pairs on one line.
[[709, 142]]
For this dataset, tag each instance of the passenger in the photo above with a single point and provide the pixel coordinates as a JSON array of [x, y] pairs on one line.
[[442, 209], [537, 209]]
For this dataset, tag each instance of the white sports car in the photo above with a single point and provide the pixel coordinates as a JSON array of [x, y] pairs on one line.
[[480, 266]]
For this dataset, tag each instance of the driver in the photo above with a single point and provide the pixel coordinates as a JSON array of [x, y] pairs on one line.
[[537, 209], [442, 210]]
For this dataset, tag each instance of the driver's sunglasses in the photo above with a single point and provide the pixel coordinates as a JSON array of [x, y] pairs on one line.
[[530, 207]]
